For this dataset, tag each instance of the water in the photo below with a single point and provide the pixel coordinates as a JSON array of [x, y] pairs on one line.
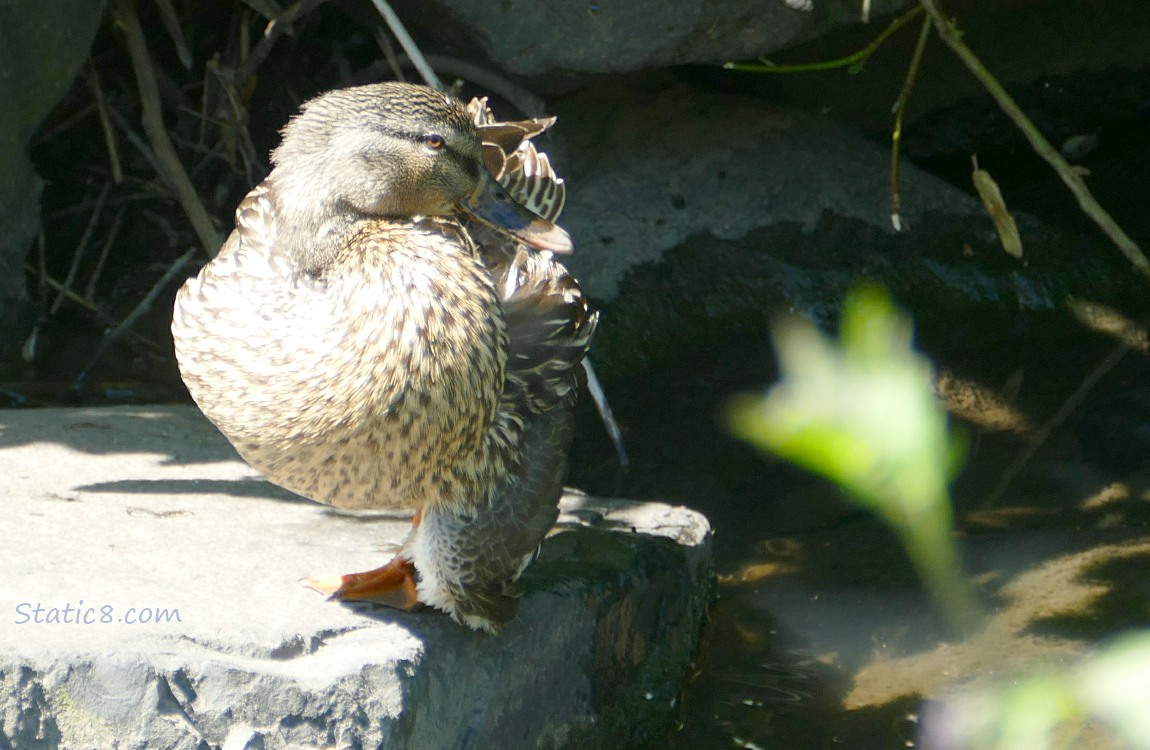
[[821, 637]]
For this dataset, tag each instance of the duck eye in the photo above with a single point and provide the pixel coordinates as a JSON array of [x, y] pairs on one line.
[[434, 141]]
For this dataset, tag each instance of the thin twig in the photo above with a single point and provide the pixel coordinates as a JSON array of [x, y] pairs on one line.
[[599, 396], [1038, 437], [93, 80], [899, 115], [520, 98], [78, 254], [206, 119], [114, 334], [947, 32], [42, 270], [90, 291], [235, 128], [30, 349], [408, 44], [272, 32], [172, 170], [136, 140], [82, 206], [205, 95], [850, 61], [67, 293], [244, 44], [91, 307], [388, 49], [63, 126], [269, 9], [171, 23]]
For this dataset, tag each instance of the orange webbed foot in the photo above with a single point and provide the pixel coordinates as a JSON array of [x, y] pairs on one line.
[[392, 585]]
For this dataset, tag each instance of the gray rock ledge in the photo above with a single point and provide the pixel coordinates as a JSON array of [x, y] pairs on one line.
[[144, 517]]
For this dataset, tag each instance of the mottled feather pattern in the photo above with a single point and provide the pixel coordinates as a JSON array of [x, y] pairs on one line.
[[530, 178], [382, 357], [512, 158], [333, 382], [550, 325]]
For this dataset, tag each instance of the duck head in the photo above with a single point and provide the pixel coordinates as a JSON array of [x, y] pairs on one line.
[[390, 150]]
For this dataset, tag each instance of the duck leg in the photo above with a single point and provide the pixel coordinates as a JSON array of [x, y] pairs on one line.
[[393, 585]]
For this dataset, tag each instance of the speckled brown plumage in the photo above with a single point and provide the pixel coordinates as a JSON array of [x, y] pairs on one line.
[[365, 338]]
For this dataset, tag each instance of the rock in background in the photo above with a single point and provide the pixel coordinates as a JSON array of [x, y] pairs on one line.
[[42, 48], [698, 213], [557, 37]]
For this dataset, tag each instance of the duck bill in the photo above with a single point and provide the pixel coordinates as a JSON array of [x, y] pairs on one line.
[[491, 205]]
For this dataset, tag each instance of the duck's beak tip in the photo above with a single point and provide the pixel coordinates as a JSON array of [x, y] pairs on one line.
[[544, 235], [492, 205]]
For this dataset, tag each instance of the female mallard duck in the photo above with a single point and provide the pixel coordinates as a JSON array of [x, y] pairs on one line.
[[386, 327]]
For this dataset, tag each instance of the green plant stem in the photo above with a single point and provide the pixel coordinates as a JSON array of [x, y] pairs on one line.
[[899, 114], [946, 31], [842, 62], [934, 554]]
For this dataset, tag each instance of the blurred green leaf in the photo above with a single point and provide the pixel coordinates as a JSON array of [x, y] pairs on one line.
[[862, 412], [1039, 711], [1115, 686]]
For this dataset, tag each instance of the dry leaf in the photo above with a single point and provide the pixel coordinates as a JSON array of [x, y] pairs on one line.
[[995, 206]]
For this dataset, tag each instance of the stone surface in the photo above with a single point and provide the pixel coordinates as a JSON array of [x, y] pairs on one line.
[[685, 160], [144, 518], [697, 214], [42, 47], [533, 38]]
